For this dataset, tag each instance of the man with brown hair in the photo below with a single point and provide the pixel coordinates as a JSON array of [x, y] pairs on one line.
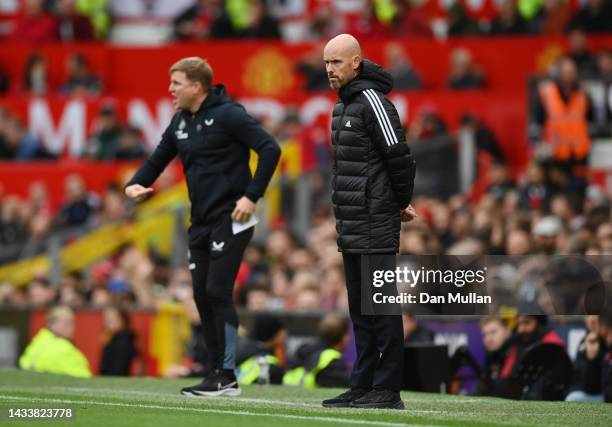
[[212, 135]]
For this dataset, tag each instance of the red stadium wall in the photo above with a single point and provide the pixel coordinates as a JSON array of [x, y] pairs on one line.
[[255, 68]]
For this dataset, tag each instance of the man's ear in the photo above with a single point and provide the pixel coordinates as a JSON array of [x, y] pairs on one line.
[[356, 62]]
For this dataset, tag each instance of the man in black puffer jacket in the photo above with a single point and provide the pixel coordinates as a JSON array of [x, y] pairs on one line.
[[373, 179]]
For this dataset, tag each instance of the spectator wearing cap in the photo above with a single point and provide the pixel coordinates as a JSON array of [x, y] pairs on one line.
[[547, 231], [51, 349], [263, 350], [531, 329]]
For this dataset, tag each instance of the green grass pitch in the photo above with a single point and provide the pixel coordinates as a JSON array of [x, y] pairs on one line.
[[156, 402]]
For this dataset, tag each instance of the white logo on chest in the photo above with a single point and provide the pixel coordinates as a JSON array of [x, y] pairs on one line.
[[348, 124], [218, 247], [209, 122]]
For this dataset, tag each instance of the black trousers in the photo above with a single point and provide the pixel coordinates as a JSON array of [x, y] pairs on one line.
[[379, 338], [214, 260]]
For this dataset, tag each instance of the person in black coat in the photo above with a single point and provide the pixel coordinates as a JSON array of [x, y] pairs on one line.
[[120, 349], [373, 180]]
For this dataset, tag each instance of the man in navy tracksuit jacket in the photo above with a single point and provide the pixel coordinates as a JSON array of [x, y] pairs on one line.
[[212, 135]]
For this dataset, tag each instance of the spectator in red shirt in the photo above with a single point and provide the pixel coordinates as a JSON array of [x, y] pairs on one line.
[[35, 25]]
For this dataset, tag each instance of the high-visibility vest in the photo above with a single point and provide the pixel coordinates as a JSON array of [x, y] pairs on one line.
[[50, 353], [300, 377], [566, 128], [249, 370]]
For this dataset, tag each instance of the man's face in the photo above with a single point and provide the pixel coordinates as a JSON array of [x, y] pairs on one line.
[[526, 326], [494, 335], [183, 90], [341, 67]]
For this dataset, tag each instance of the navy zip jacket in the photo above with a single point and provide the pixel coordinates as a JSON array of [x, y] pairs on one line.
[[213, 144]]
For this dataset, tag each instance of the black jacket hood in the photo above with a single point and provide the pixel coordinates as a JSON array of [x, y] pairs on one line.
[[216, 95], [371, 76]]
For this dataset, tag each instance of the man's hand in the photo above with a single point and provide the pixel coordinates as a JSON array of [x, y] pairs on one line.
[[408, 214], [243, 211], [137, 192]]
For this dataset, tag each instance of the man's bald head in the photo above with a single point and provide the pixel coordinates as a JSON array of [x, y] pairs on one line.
[[342, 57], [344, 43]]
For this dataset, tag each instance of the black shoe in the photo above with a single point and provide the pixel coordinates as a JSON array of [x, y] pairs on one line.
[[344, 400], [380, 399], [216, 384]]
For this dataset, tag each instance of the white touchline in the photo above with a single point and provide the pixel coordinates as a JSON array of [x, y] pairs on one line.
[[214, 411]]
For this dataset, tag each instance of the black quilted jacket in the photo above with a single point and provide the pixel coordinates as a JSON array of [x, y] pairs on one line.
[[373, 174]]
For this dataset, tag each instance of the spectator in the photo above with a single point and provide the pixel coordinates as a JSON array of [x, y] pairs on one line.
[[464, 74], [518, 243], [119, 351], [70, 293], [460, 23], [79, 206], [414, 333], [80, 81], [434, 150], [4, 82], [195, 23], [104, 142], [531, 329], [508, 21], [313, 70], [263, 25], [496, 341], [35, 25], [20, 144], [40, 293], [98, 13], [131, 145], [553, 18], [605, 322], [261, 350], [51, 349], [500, 183], [594, 17], [400, 68], [72, 26], [35, 80], [585, 61], [586, 386], [320, 364], [12, 229], [565, 110]]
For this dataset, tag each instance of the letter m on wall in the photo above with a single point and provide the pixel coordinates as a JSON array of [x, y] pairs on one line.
[[70, 129]]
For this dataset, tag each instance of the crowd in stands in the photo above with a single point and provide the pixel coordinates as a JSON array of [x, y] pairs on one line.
[[88, 20]]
